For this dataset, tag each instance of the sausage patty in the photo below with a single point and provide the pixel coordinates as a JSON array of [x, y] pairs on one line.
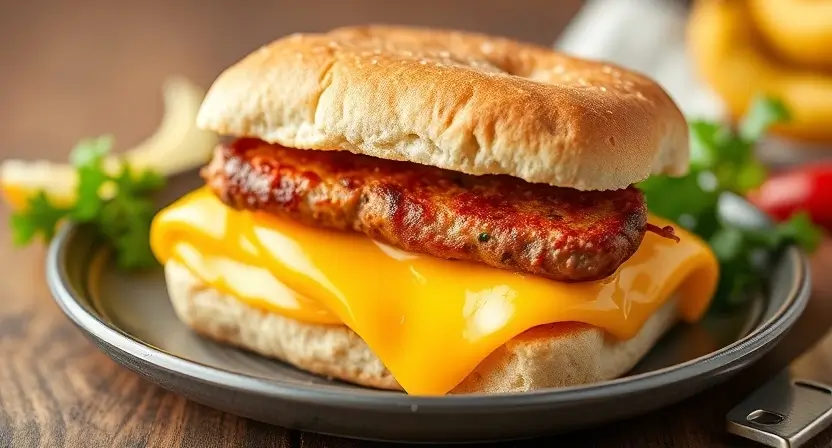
[[559, 233]]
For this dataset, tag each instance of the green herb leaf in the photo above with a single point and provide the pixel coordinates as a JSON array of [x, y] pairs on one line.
[[148, 181], [663, 197], [90, 152], [127, 218], [88, 159], [764, 112], [706, 137], [728, 243], [723, 161], [800, 229], [39, 217], [118, 205], [749, 176]]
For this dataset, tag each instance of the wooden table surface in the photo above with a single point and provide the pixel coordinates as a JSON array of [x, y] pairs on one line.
[[75, 69]]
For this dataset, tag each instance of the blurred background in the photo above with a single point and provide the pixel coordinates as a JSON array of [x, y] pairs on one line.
[[81, 68], [72, 69]]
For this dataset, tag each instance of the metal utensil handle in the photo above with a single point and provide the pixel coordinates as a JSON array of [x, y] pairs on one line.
[[785, 412]]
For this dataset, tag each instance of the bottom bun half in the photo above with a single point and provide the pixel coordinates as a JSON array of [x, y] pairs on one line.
[[556, 355]]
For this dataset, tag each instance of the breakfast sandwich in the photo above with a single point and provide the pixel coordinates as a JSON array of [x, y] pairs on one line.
[[434, 212]]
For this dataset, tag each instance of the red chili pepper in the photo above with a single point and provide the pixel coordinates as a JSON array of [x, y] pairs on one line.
[[808, 188]]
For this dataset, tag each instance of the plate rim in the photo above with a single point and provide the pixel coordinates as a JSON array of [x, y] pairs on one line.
[[727, 359]]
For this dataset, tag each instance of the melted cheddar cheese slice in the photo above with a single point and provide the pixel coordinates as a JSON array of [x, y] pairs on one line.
[[430, 321]]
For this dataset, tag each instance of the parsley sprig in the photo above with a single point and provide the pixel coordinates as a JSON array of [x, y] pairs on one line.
[[117, 202], [723, 162]]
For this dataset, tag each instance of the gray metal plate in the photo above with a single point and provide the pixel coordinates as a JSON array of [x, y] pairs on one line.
[[130, 318]]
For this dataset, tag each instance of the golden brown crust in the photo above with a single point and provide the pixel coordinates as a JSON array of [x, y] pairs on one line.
[[459, 101], [556, 355]]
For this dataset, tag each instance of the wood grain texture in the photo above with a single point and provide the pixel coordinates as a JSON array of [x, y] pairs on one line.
[[74, 69]]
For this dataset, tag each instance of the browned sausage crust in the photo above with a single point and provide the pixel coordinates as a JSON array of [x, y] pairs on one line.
[[559, 233]]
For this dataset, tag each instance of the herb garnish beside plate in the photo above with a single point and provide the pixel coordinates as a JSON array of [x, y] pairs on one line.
[[723, 162], [117, 203]]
